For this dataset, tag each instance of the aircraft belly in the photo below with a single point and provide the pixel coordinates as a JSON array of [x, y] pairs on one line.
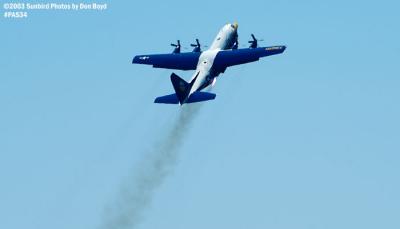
[[200, 81]]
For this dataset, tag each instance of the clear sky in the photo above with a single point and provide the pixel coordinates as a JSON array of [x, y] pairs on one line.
[[306, 139]]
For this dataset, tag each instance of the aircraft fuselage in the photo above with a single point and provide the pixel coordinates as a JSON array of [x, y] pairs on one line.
[[205, 74]]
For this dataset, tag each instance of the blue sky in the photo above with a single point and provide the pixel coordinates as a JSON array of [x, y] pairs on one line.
[[306, 139]]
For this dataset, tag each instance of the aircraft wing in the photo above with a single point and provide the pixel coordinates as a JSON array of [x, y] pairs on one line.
[[180, 61], [233, 57]]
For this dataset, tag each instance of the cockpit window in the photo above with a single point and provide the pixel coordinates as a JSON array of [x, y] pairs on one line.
[[219, 38]]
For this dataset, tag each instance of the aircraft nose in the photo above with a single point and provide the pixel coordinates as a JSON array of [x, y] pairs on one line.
[[235, 26]]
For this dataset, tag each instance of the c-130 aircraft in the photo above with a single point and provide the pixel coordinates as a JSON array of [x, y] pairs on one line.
[[208, 64]]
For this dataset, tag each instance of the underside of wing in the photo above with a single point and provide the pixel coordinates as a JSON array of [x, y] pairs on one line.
[[233, 57], [179, 61]]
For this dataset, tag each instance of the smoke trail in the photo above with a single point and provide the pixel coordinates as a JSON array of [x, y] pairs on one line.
[[136, 196]]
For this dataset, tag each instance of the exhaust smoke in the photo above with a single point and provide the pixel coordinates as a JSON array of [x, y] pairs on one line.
[[136, 195]]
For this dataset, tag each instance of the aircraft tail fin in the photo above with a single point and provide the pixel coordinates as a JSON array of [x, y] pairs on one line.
[[182, 90], [181, 87]]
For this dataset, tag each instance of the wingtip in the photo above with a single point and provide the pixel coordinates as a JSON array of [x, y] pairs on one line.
[[135, 60]]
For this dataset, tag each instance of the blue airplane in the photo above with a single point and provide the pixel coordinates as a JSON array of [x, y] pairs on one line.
[[208, 64]]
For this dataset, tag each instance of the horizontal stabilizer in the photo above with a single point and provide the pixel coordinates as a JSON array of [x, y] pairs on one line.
[[195, 97], [200, 96], [167, 99]]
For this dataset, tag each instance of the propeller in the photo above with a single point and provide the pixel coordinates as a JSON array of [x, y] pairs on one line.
[[177, 46], [254, 42], [197, 46]]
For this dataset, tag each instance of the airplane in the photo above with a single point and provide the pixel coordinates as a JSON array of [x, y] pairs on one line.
[[208, 65]]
